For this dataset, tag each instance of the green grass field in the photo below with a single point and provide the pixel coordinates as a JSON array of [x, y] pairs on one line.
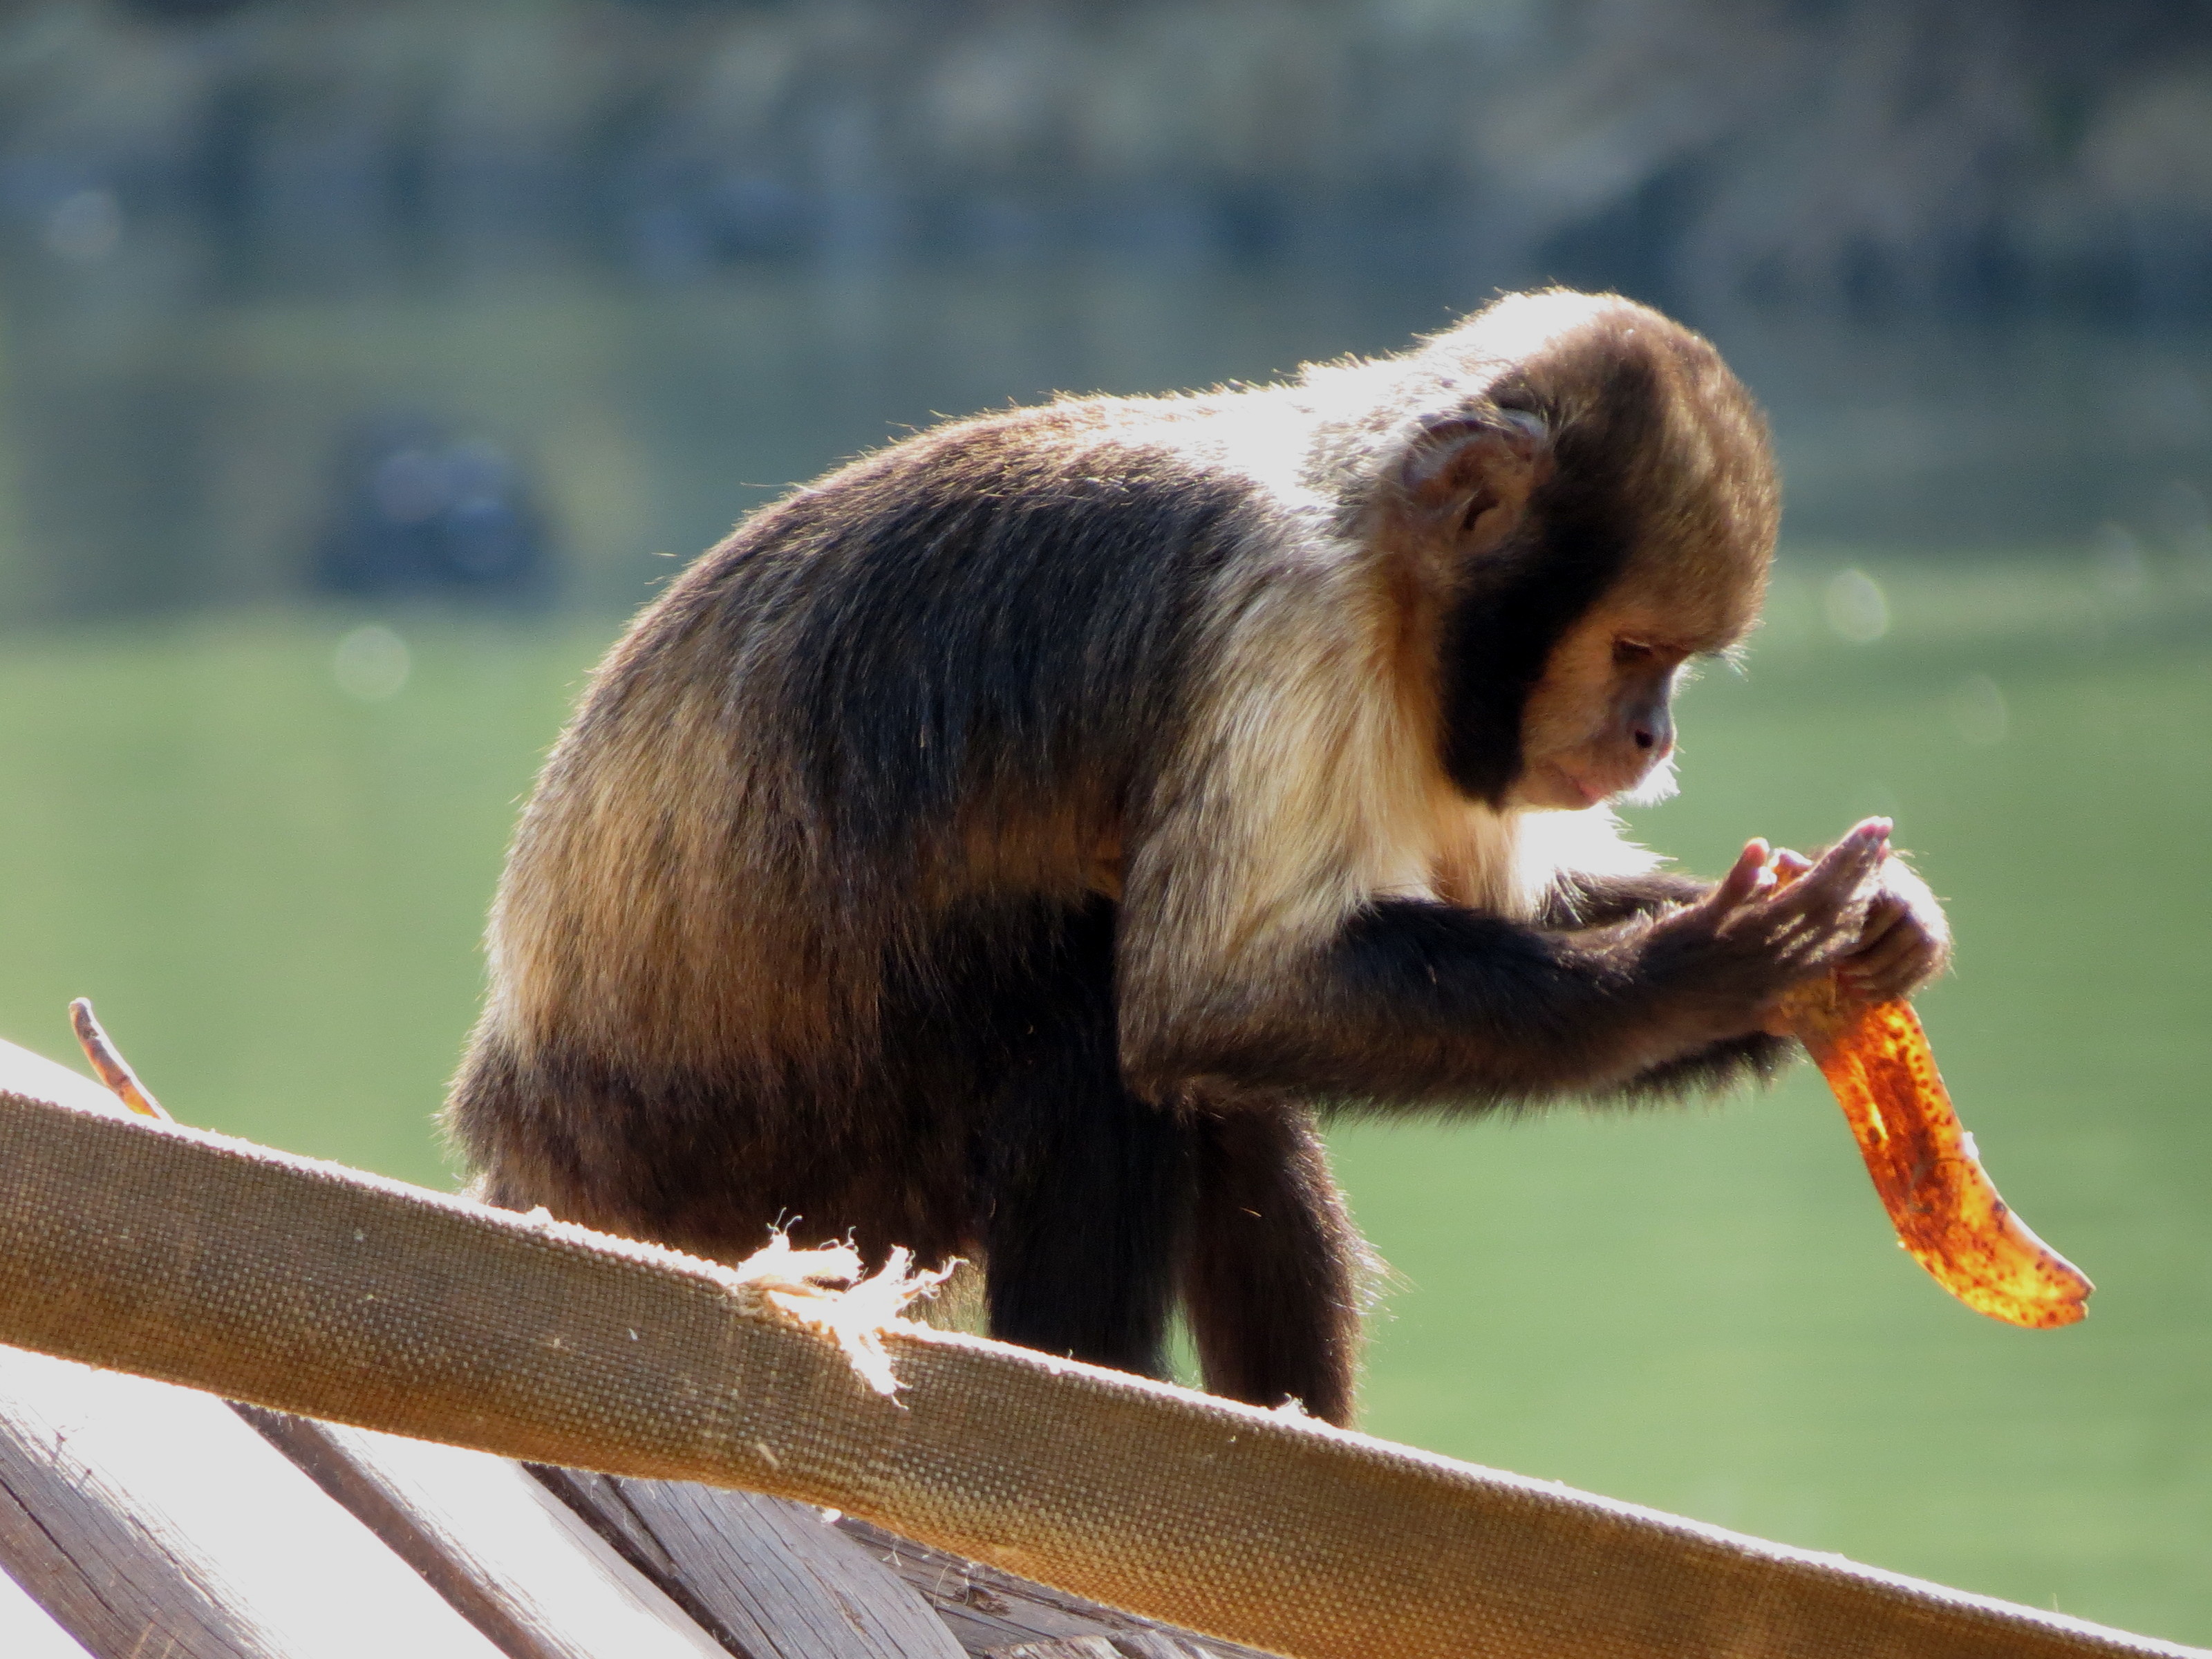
[[274, 889]]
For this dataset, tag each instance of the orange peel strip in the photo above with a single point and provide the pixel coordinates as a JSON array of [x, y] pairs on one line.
[[1877, 1058]]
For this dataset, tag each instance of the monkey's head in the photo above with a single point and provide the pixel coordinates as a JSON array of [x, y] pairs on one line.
[[1595, 504]]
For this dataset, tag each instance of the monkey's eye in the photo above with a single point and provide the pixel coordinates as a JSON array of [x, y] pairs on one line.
[[1628, 653]]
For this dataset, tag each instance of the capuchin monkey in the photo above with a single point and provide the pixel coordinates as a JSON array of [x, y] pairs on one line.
[[1004, 846]]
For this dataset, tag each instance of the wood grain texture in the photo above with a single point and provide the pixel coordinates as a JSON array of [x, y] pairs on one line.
[[146, 1520], [27, 1631], [994, 1613], [508, 1557], [771, 1577]]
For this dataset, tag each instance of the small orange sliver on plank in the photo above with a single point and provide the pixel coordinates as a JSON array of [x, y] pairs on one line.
[[1877, 1058]]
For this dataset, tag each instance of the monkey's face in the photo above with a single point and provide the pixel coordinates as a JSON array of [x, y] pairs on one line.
[[1600, 723]]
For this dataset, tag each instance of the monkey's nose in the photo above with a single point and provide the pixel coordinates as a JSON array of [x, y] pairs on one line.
[[1653, 735]]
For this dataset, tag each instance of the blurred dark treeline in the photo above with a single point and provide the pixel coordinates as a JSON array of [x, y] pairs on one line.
[[1976, 155], [505, 301]]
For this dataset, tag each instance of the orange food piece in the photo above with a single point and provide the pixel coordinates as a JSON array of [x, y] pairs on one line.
[[1877, 1058]]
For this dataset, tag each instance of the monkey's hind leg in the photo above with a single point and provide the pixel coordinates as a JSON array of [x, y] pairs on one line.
[[1275, 1274], [1086, 1220]]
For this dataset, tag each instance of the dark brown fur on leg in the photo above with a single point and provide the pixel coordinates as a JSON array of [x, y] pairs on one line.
[[1088, 1186], [1272, 1285]]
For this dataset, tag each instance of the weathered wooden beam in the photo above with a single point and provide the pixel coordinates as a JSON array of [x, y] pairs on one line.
[[27, 1631], [533, 1583], [771, 1577], [312, 1288], [996, 1614], [764, 1576], [504, 1552], [147, 1520]]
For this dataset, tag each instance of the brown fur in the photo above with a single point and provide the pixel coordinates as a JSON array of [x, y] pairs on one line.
[[986, 847]]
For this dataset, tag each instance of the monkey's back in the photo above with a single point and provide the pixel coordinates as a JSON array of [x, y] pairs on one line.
[[835, 827]]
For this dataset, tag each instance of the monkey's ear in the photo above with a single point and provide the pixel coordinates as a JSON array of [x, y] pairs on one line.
[[1471, 476]]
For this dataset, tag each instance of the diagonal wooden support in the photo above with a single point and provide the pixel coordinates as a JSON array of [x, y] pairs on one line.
[[27, 1631], [146, 1519], [995, 1612], [773, 1576], [519, 1567]]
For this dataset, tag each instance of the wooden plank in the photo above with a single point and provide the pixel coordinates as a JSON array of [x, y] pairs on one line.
[[763, 1577], [533, 1583], [510, 1558], [996, 1614], [147, 1520], [27, 1631], [772, 1577]]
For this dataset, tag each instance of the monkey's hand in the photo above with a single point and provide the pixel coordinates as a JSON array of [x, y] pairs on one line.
[[1736, 952], [1905, 942]]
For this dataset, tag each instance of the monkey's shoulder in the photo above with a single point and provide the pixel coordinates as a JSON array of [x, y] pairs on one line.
[[1070, 507]]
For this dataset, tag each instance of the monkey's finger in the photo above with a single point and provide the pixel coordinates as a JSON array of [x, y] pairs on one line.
[[1840, 879], [1883, 915], [1875, 954], [1876, 985], [1864, 847], [1892, 987], [1810, 892], [1904, 961], [1823, 936], [1818, 952], [1743, 879]]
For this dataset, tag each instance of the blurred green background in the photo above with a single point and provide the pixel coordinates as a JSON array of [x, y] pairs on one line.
[[362, 366], [273, 888]]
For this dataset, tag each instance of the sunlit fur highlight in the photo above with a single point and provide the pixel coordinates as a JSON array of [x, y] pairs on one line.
[[999, 845], [1313, 784]]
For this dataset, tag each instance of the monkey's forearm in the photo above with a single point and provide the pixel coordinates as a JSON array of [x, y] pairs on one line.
[[1579, 901], [1417, 1002], [1757, 1058], [1592, 902]]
